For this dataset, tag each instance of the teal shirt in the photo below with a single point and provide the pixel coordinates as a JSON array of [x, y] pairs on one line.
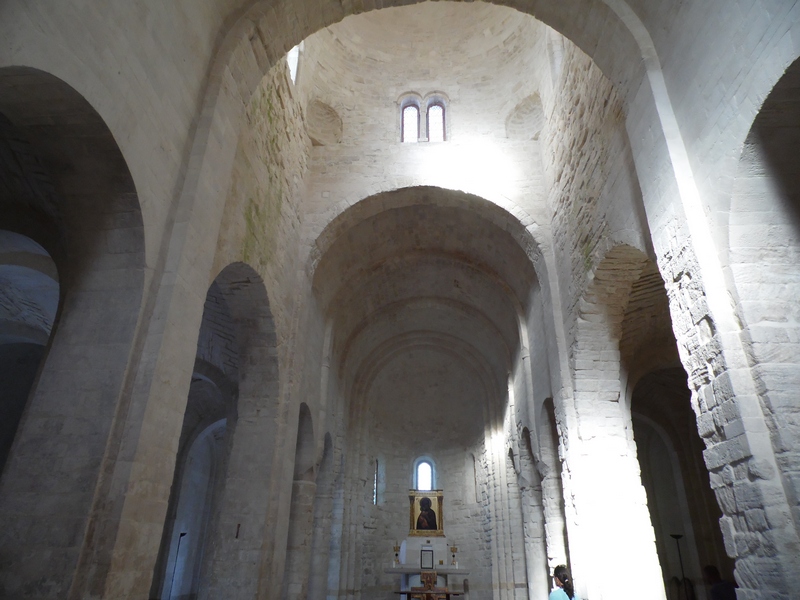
[[559, 594]]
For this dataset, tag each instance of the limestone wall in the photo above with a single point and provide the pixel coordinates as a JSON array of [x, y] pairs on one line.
[[593, 193], [208, 140]]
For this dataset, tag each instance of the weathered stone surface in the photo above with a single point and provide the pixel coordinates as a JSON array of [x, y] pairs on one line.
[[582, 306]]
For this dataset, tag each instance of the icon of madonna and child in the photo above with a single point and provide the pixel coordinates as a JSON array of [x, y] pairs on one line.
[[426, 517]]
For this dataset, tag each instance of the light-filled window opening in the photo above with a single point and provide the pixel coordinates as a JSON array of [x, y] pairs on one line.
[[475, 477], [293, 60], [375, 485], [424, 477], [410, 124], [436, 123]]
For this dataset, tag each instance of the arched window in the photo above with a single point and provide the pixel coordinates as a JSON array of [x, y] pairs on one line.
[[424, 474], [436, 129], [410, 124]]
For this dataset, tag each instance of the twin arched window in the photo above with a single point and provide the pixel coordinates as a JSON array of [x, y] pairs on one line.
[[413, 129]]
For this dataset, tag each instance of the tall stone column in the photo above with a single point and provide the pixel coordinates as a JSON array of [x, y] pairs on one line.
[[298, 545], [552, 491], [611, 538], [533, 524], [322, 525], [615, 539], [55, 479]]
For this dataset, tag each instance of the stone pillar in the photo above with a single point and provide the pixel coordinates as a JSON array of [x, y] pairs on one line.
[[757, 525], [611, 534], [55, 475], [337, 535], [614, 533], [298, 546], [533, 524], [552, 491], [241, 526], [323, 521], [50, 479]]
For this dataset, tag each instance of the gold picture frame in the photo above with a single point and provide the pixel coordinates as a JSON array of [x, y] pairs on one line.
[[426, 513]]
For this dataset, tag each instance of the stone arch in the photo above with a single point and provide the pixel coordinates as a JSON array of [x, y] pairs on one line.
[[502, 213], [212, 402], [764, 245], [260, 35], [608, 291], [654, 397], [375, 207], [448, 326], [256, 37], [601, 443], [347, 213], [78, 201], [253, 324], [240, 520]]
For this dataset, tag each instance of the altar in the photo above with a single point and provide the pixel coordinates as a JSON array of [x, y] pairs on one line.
[[449, 582], [426, 561]]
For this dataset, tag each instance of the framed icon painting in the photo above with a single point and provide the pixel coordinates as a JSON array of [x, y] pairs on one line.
[[426, 514]]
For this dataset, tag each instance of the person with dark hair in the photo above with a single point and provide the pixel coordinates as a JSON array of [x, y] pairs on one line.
[[427, 516], [564, 589], [720, 589]]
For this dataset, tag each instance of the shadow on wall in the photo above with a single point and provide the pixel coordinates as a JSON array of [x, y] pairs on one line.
[[773, 144]]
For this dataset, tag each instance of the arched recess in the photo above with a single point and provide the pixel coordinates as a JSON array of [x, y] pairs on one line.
[[301, 512], [664, 427], [239, 521], [67, 187], [505, 215], [323, 124], [764, 263], [29, 298], [526, 120], [425, 329], [203, 452], [201, 466], [605, 521], [676, 480]]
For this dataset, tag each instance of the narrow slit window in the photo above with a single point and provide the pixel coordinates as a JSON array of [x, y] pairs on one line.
[[424, 477], [436, 123], [375, 485], [475, 477], [410, 124]]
